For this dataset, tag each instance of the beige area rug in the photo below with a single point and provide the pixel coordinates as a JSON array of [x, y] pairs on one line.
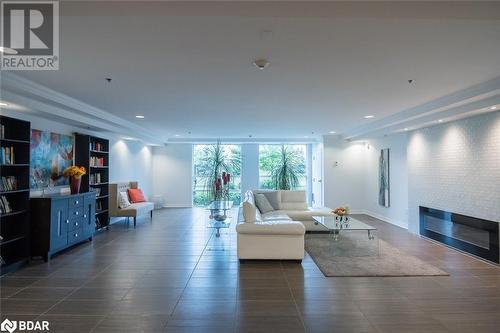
[[354, 255]]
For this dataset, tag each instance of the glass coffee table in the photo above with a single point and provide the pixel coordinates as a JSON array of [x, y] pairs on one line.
[[219, 218], [338, 227]]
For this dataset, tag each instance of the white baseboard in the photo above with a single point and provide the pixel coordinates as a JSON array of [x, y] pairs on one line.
[[380, 217], [177, 206]]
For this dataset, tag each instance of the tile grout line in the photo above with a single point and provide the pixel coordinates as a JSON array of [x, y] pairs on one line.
[[293, 298]]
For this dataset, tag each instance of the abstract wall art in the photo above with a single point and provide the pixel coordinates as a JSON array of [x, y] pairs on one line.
[[51, 153], [383, 178]]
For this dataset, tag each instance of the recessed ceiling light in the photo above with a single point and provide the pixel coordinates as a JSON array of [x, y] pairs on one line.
[[177, 135], [139, 116], [369, 116], [406, 128], [493, 107], [440, 120], [306, 136], [3, 104], [332, 132]]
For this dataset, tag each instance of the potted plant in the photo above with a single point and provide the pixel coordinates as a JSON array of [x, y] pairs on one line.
[[74, 173], [286, 172]]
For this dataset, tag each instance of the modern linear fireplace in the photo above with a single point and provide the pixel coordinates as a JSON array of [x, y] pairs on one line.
[[475, 236]]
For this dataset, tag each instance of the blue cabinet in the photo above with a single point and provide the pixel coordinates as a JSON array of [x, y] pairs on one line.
[[61, 221]]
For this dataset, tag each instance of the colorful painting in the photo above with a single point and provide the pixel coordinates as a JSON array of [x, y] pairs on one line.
[[383, 178], [51, 153]]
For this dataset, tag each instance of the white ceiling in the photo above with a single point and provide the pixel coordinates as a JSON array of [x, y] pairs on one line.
[[188, 68]]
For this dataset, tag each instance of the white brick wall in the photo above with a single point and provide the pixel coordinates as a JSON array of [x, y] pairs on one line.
[[456, 167]]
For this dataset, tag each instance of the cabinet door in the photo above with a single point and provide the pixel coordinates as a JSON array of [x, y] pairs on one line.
[[59, 224], [89, 215]]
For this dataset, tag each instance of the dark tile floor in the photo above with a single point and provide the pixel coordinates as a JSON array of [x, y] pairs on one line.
[[173, 275]]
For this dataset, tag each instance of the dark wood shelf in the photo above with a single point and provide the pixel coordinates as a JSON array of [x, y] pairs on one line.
[[99, 184], [85, 155], [4, 242], [101, 211], [13, 213], [13, 191], [15, 225], [15, 165], [14, 140]]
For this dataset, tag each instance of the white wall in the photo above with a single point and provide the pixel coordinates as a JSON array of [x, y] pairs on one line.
[[456, 167], [397, 213], [172, 174], [351, 176], [344, 173]]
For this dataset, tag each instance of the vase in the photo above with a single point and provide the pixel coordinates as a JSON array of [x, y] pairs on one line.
[[74, 185]]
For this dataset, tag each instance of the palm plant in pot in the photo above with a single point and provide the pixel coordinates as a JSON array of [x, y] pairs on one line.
[[286, 172], [221, 164]]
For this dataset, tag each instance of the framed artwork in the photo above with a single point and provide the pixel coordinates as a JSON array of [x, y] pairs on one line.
[[383, 178], [51, 153]]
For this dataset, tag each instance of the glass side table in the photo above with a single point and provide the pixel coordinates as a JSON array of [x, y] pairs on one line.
[[219, 218]]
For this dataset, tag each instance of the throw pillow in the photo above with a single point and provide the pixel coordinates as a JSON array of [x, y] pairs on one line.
[[262, 203], [123, 201], [249, 212], [136, 195]]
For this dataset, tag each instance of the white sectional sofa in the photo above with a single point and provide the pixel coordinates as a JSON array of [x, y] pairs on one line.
[[272, 224]]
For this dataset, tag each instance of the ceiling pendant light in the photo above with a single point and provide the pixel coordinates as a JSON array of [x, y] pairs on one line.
[[261, 63]]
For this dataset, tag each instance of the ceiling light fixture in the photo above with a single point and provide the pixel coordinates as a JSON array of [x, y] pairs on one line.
[[493, 107], [406, 128], [177, 135], [139, 116], [3, 104], [440, 120], [332, 132], [261, 63], [369, 116]]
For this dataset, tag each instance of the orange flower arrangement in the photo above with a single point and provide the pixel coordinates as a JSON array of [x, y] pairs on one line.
[[74, 171], [341, 211]]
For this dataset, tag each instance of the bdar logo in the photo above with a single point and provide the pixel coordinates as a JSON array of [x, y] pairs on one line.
[[8, 326]]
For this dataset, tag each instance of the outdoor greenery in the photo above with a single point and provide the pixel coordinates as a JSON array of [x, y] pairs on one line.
[[209, 163], [282, 167]]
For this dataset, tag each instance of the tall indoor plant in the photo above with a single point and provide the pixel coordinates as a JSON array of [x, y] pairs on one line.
[[286, 172], [219, 162]]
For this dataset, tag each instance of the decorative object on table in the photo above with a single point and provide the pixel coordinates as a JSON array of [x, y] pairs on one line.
[[285, 174], [51, 153], [221, 163], [342, 213], [383, 178], [218, 215], [74, 173]]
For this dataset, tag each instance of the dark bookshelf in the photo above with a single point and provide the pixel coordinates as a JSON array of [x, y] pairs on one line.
[[93, 153], [14, 189]]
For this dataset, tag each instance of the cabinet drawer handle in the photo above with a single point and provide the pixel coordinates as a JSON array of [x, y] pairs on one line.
[[76, 202], [76, 235], [84, 215], [76, 213], [67, 221], [76, 224]]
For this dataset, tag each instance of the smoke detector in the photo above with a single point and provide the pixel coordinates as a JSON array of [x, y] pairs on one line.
[[261, 63]]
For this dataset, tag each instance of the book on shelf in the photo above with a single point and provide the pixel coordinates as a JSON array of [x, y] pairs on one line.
[[8, 183], [2, 132], [95, 178], [96, 161], [98, 206], [98, 223], [7, 155], [97, 146], [4, 205]]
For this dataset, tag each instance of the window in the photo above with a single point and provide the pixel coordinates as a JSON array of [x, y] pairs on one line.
[[270, 157], [202, 164]]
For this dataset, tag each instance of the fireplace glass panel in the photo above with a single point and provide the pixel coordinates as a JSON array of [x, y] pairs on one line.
[[465, 233]]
